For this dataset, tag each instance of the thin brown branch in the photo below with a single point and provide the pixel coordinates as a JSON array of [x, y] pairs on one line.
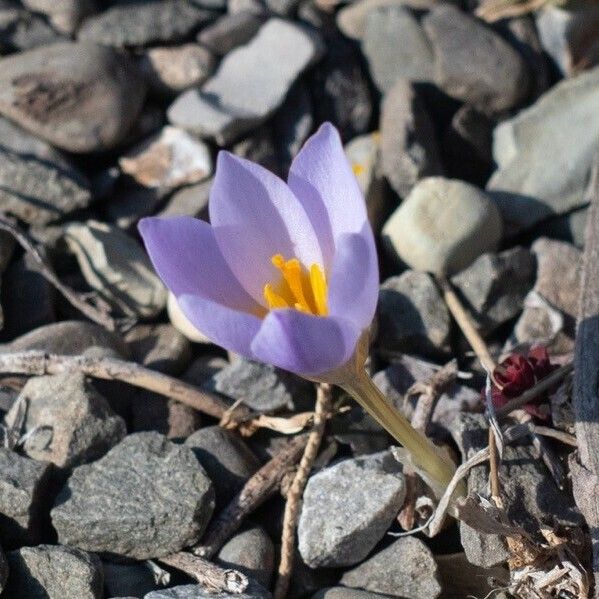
[[98, 315], [260, 487], [296, 491], [209, 575], [39, 363]]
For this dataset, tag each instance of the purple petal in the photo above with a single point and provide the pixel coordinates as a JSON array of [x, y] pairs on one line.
[[354, 279], [322, 178], [224, 326], [255, 216], [303, 343], [187, 258]]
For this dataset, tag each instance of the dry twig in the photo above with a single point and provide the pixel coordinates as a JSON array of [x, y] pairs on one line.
[[99, 313], [294, 495], [262, 485]]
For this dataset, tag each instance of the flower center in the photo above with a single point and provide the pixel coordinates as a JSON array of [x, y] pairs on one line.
[[298, 288]]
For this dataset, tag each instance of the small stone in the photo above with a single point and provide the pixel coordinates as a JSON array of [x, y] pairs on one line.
[[529, 493], [396, 47], [231, 103], [494, 286], [252, 553], [79, 423], [346, 593], [409, 148], [65, 15], [229, 31], [196, 591], [182, 323], [144, 499], [443, 226], [262, 387], [168, 160], [54, 571], [412, 316], [22, 30], [70, 338], [545, 153], [559, 274], [474, 64], [142, 24], [171, 70], [122, 580], [189, 201], [348, 508], [79, 97], [117, 267], [363, 153], [226, 458], [37, 191], [406, 569], [24, 495]]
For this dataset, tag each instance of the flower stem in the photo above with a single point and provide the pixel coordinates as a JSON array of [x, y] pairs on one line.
[[426, 456]]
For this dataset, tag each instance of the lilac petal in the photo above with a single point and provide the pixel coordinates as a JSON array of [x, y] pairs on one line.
[[303, 343], [354, 279], [224, 326], [322, 178], [255, 216], [187, 258]]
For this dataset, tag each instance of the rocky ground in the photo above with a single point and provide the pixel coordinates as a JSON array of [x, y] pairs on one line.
[[473, 134]]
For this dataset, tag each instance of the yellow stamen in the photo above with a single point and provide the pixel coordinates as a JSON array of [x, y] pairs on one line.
[[299, 289], [358, 169]]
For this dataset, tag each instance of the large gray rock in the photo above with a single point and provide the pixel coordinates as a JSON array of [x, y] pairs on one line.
[[54, 571], [231, 102], [346, 593], [406, 569], [409, 149], [396, 47], [65, 15], [140, 24], [251, 552], [79, 97], [225, 457], [545, 153], [229, 31], [262, 387], [74, 423], [473, 63], [529, 493], [494, 286], [145, 498], [347, 509], [24, 497], [412, 315], [117, 267], [443, 226], [196, 591]]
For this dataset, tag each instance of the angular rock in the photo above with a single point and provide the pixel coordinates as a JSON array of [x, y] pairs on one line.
[[262, 387], [412, 316], [443, 226], [545, 153], [347, 509], [54, 571], [79, 97], [168, 160], [145, 498], [65, 15], [225, 457], [196, 591], [406, 569], [171, 70], [252, 553], [231, 103], [39, 192], [229, 31], [529, 492], [74, 422], [474, 64], [396, 47], [189, 201], [494, 286], [22, 30], [24, 498], [409, 148], [117, 267], [141, 24]]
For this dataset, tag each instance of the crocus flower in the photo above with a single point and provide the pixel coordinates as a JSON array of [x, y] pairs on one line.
[[287, 273]]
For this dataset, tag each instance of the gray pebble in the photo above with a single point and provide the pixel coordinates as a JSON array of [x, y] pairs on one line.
[[229, 31], [196, 591]]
